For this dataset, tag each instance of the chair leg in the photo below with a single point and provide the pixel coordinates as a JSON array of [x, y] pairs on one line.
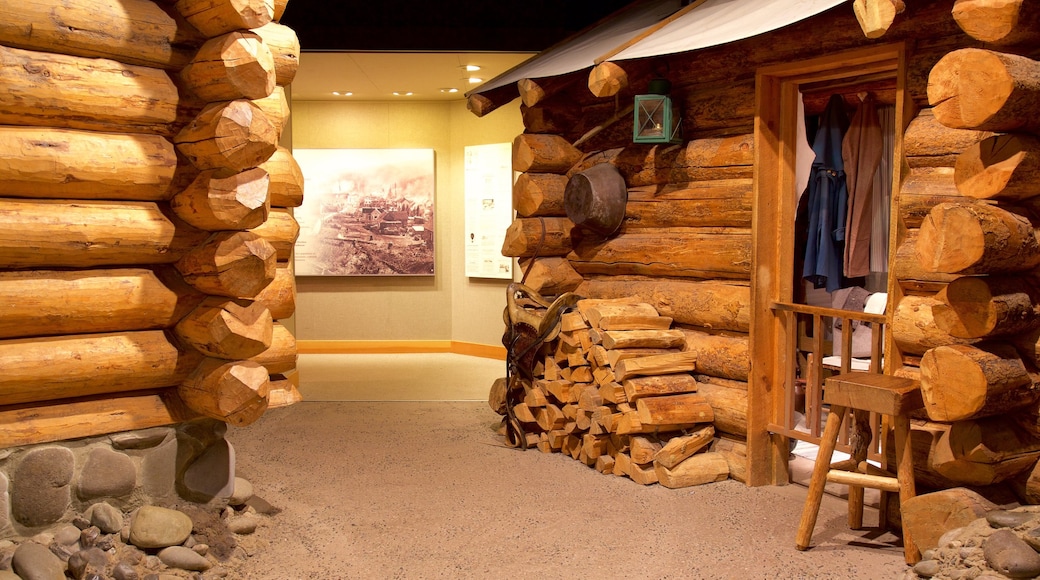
[[819, 478], [905, 476]]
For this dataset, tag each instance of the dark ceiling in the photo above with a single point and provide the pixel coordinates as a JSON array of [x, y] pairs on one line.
[[441, 25]]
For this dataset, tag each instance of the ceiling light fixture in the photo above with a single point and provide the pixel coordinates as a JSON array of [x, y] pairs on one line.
[[475, 80], [472, 68], [449, 90], [343, 93], [402, 94]]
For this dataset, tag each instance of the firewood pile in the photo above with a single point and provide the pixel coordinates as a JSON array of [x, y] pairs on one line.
[[614, 386]]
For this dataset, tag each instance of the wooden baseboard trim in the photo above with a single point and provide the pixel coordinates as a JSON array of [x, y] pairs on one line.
[[399, 347]]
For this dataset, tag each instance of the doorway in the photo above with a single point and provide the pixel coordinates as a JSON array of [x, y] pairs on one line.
[[789, 336]]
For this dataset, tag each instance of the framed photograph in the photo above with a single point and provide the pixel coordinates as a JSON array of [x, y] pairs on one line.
[[366, 212]]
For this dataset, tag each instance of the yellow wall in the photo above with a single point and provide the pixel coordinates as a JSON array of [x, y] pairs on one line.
[[445, 307]]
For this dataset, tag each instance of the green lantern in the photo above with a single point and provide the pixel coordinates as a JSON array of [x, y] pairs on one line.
[[655, 116]]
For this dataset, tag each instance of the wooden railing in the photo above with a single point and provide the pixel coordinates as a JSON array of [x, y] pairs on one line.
[[806, 347]]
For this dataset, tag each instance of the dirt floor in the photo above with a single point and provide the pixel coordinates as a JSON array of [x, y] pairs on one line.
[[427, 490]]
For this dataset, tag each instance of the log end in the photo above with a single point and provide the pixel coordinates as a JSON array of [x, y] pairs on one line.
[[968, 87]]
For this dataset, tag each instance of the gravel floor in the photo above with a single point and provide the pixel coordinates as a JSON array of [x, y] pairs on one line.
[[426, 490]]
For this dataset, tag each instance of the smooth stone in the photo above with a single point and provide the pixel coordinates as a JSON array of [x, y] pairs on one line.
[[159, 527], [143, 439], [86, 563], [67, 535], [41, 490], [5, 502], [9, 575], [124, 571], [184, 558], [1010, 555], [241, 493], [33, 561], [212, 474], [107, 517], [243, 525], [1008, 519], [107, 473], [926, 568]]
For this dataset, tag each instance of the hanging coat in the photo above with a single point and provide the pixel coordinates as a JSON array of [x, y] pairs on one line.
[[861, 151], [828, 195]]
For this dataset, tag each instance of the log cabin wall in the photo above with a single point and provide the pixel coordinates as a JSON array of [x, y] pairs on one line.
[[145, 230], [966, 327]]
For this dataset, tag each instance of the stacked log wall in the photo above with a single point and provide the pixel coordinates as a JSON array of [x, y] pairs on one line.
[[146, 212], [685, 243]]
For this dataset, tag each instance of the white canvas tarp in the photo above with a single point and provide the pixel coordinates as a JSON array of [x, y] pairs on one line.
[[712, 23]]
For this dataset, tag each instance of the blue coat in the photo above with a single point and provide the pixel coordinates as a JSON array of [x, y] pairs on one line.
[[828, 199]]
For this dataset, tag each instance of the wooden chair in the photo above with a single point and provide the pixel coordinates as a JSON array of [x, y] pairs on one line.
[[863, 393]]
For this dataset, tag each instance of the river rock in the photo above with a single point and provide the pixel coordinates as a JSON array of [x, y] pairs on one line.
[[184, 558], [33, 561], [124, 571], [159, 527], [108, 518], [1008, 519], [41, 492], [107, 473], [88, 563], [1010, 555], [241, 493]]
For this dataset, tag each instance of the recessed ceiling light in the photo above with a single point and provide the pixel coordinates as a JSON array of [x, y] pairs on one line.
[[450, 90], [402, 94], [472, 68], [475, 80], [342, 93]]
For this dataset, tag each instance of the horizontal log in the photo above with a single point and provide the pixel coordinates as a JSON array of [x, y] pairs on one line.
[[286, 186], [232, 264], [709, 304], [275, 108], [49, 302], [550, 276], [1004, 167], [539, 194], [284, 392], [215, 18], [47, 369], [929, 143], [130, 31], [481, 104], [875, 17], [233, 392], [235, 135], [280, 230], [967, 382], [285, 48], [729, 405], [236, 65], [52, 233], [614, 339], [546, 119], [906, 268], [607, 79], [542, 236], [698, 160], [280, 295], [45, 162], [708, 253], [735, 453], [543, 154], [534, 91], [280, 358], [925, 188], [224, 200], [973, 88], [984, 451], [57, 90], [723, 356], [976, 239], [979, 307], [227, 329], [725, 203], [89, 416], [998, 22], [914, 329]]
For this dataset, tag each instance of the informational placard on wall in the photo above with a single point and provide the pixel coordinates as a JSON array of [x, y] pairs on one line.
[[489, 209]]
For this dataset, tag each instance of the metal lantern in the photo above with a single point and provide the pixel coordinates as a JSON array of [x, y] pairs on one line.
[[656, 120]]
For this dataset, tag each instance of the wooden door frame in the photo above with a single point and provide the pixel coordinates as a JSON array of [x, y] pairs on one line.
[[772, 275]]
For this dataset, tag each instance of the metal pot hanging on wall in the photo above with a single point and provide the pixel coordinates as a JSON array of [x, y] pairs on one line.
[[595, 199]]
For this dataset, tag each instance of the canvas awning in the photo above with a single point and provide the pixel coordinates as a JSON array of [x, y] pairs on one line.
[[657, 27]]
